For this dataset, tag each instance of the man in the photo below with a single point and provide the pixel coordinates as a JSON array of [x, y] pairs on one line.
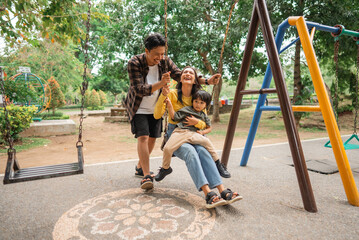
[[147, 73]]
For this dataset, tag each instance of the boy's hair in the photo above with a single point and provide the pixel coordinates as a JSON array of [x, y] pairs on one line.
[[204, 96], [154, 40]]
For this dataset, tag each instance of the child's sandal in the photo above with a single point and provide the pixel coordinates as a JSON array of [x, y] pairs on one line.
[[230, 196], [147, 182], [210, 200]]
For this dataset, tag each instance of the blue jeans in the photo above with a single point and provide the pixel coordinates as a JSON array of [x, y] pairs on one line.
[[199, 162]]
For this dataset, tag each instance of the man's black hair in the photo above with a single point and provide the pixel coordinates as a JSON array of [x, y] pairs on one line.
[[204, 96], [154, 40]]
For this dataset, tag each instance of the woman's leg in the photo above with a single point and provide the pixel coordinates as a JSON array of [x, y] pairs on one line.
[[209, 167], [189, 154]]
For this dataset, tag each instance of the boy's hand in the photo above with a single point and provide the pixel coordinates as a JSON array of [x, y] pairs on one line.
[[200, 132], [191, 121]]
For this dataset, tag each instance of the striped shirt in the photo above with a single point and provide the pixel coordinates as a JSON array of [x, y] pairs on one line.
[[137, 71]]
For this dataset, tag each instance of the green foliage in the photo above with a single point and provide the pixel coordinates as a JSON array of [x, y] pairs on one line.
[[29, 143], [19, 118], [58, 20], [57, 97], [47, 60], [94, 99], [18, 92], [52, 116]]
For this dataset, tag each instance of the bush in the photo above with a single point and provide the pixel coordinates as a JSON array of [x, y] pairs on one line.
[[103, 98], [18, 92], [57, 97], [20, 119], [94, 99]]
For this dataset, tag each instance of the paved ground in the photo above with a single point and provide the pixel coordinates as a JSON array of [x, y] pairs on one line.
[[107, 203]]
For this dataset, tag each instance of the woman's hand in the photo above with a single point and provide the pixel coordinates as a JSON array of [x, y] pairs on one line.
[[191, 121], [168, 103], [166, 90], [214, 79]]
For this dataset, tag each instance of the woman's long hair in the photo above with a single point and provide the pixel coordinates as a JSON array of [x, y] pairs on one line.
[[196, 86]]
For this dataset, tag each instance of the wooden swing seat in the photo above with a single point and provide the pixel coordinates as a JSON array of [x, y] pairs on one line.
[[14, 173]]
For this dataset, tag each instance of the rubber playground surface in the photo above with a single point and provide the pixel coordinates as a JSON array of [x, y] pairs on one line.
[[106, 202]]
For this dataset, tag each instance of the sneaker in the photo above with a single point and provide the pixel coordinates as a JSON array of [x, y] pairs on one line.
[[222, 169], [139, 172], [162, 173]]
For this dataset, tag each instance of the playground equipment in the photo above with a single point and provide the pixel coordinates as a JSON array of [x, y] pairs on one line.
[[36, 85], [350, 143], [13, 172], [260, 15]]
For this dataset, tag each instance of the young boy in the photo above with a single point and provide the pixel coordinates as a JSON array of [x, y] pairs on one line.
[[187, 134]]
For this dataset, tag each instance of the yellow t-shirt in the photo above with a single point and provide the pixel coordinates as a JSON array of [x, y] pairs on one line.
[[160, 107]]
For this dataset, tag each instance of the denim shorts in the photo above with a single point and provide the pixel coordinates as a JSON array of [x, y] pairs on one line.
[[146, 125]]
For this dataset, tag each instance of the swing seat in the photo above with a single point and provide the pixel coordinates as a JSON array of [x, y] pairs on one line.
[[347, 145], [15, 174]]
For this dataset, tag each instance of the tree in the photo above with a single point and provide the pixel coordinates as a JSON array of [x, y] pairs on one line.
[[57, 20], [328, 13], [57, 97], [195, 32], [112, 78], [46, 60]]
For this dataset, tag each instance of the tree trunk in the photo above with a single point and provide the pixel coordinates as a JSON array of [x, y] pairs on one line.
[[217, 89], [297, 90]]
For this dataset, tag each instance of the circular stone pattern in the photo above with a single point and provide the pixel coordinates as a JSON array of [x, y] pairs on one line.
[[133, 214]]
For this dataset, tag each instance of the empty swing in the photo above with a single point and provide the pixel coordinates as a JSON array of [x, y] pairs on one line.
[[353, 141], [13, 172]]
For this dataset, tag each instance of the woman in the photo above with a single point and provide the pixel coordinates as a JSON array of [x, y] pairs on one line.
[[199, 162]]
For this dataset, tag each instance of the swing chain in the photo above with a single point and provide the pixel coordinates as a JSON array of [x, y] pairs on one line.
[[166, 57], [220, 64], [6, 113], [336, 95], [85, 80]]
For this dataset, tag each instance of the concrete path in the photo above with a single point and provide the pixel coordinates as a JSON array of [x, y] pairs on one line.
[[107, 203]]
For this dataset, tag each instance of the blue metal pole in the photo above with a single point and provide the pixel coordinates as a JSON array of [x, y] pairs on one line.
[[262, 97]]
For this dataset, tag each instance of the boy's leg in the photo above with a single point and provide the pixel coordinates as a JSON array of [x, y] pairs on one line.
[[176, 140], [205, 142]]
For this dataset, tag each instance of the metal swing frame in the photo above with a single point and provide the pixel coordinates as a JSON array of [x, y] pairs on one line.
[[347, 144], [13, 172]]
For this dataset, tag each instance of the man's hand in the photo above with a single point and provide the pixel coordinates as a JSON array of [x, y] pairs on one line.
[[166, 78], [214, 79], [191, 121]]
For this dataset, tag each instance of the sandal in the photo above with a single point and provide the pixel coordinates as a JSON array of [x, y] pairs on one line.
[[210, 200], [230, 197], [147, 182]]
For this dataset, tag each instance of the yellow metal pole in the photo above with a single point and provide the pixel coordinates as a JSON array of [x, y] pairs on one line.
[[327, 112], [299, 108]]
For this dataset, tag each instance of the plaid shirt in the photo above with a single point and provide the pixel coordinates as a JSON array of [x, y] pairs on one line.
[[137, 71]]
